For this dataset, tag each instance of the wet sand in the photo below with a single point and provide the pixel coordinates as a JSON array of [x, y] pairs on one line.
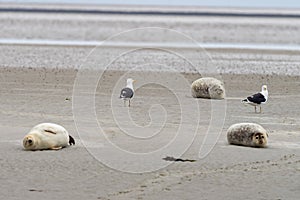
[[31, 96]]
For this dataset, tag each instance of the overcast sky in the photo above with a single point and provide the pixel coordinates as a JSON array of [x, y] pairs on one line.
[[230, 3]]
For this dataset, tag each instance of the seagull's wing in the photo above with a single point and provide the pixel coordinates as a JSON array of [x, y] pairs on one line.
[[126, 93], [257, 98]]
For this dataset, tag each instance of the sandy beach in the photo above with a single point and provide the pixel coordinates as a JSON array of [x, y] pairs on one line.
[[48, 83]]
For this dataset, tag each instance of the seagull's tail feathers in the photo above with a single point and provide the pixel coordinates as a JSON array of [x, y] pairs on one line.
[[245, 101], [122, 95]]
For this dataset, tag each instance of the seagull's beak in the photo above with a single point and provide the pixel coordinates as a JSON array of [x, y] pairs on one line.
[[134, 81]]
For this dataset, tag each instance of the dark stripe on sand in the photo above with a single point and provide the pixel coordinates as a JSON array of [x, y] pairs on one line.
[[122, 12]]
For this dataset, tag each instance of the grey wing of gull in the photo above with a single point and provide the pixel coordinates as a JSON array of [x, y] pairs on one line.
[[257, 98], [126, 93]]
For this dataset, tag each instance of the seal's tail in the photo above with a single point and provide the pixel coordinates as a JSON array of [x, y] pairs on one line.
[[71, 140]]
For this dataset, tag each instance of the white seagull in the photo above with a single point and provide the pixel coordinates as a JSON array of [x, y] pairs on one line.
[[127, 92], [258, 98]]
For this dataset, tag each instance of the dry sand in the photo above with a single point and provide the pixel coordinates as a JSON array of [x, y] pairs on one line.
[[37, 85], [31, 96]]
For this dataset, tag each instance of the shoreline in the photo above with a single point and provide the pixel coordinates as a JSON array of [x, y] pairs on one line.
[[170, 45]]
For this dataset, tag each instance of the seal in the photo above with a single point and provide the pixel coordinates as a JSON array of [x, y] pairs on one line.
[[247, 134], [47, 136], [208, 88]]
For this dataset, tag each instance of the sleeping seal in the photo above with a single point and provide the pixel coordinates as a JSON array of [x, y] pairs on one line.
[[209, 88], [47, 136]]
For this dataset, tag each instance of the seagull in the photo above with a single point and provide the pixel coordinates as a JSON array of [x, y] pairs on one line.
[[258, 98], [127, 92]]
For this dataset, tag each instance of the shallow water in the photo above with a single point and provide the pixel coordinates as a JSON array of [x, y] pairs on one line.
[[244, 46]]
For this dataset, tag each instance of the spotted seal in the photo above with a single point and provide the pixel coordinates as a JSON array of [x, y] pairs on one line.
[[209, 88], [247, 134]]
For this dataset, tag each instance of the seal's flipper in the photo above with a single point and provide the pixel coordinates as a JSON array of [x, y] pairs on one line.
[[50, 131], [71, 140], [56, 148]]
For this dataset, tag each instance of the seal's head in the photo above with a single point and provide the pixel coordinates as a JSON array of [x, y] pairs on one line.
[[29, 142], [217, 91], [259, 139]]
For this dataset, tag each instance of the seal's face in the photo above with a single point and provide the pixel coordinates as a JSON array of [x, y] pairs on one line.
[[219, 90], [216, 91], [259, 139], [29, 142]]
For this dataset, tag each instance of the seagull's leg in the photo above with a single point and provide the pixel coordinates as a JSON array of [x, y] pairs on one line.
[[124, 102], [260, 109], [255, 109], [129, 103]]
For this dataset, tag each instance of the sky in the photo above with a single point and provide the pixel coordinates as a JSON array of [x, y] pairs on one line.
[[222, 3]]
